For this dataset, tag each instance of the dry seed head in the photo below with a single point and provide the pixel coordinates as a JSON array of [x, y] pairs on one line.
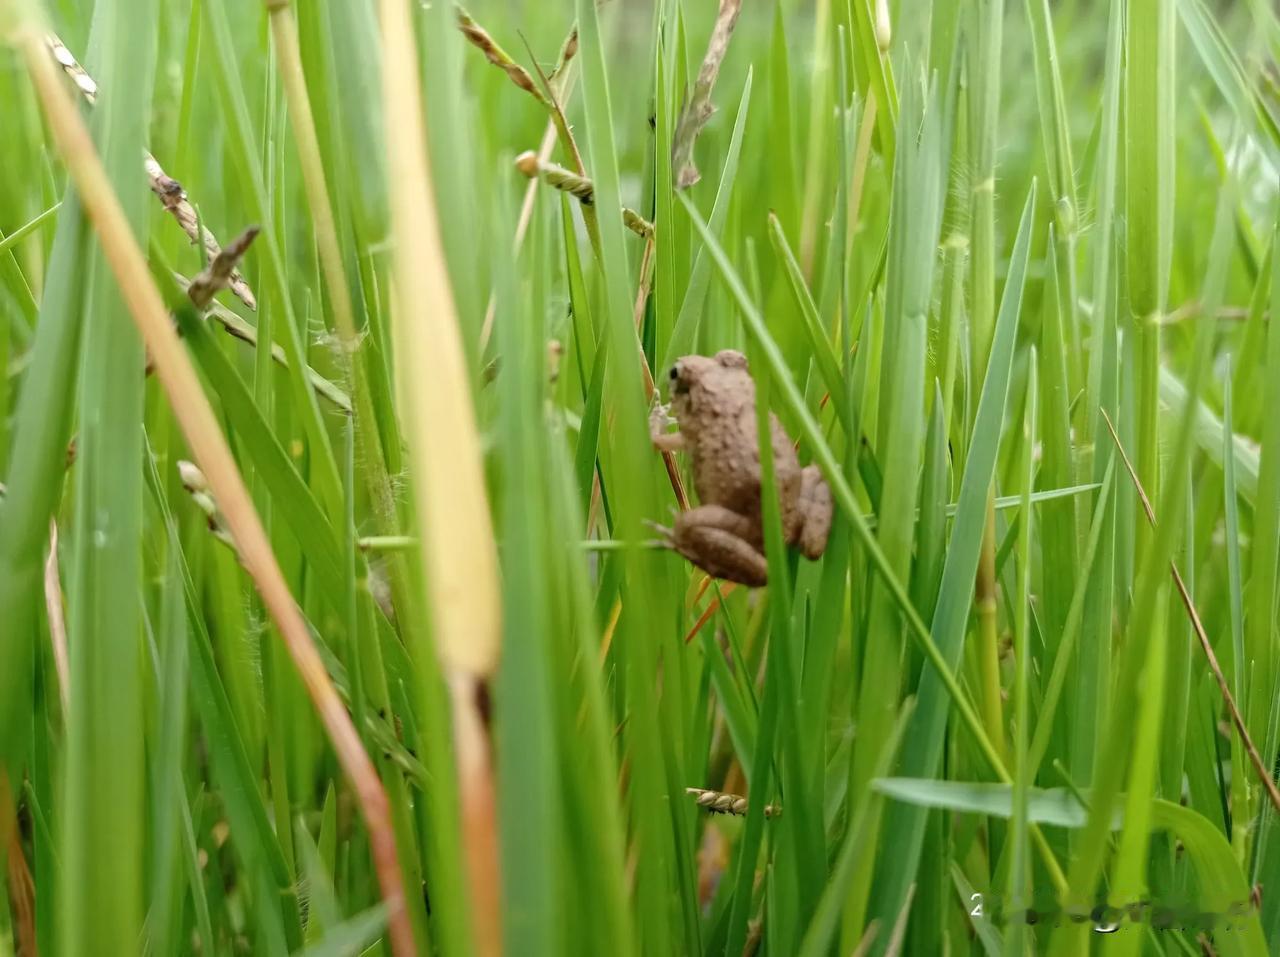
[[636, 223], [567, 52], [562, 179], [170, 191], [240, 245], [480, 38], [698, 109], [61, 53], [83, 81], [720, 802], [163, 185], [192, 478], [221, 271], [570, 49], [204, 501], [527, 163]]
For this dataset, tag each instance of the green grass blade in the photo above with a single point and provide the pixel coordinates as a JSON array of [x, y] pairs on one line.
[[631, 464], [1229, 76], [42, 428], [685, 330], [245, 154], [1265, 565], [942, 339], [527, 754], [351, 937], [862, 823], [904, 827], [291, 498], [1222, 887], [253, 837], [102, 907]]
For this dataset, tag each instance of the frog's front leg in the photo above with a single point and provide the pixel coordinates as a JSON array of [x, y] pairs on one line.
[[664, 441], [717, 540]]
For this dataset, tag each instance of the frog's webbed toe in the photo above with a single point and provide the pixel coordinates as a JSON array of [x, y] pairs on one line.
[[712, 537], [815, 506]]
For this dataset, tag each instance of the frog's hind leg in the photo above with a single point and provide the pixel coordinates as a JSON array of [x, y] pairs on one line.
[[716, 540], [815, 506]]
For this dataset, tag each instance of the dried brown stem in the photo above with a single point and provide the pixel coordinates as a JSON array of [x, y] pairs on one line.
[[712, 607], [642, 297], [479, 811]]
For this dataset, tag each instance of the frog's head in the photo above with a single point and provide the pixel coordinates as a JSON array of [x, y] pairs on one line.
[[699, 382]]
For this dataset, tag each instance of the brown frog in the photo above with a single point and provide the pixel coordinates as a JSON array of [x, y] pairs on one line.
[[714, 400]]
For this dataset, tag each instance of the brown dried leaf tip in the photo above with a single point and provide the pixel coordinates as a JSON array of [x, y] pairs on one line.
[[718, 802], [221, 271], [567, 53]]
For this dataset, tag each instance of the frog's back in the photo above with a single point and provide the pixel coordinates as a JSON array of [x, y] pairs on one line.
[[726, 460]]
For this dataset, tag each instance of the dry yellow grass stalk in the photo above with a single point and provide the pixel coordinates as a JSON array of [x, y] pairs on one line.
[[440, 424], [200, 427], [458, 550]]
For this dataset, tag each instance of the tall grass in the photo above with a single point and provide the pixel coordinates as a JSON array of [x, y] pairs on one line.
[[345, 632]]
